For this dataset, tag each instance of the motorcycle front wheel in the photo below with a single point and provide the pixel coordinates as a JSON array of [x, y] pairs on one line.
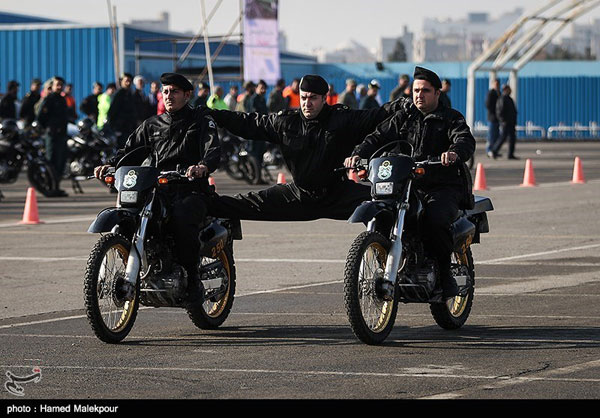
[[41, 177], [214, 311], [453, 313], [371, 317], [110, 315]]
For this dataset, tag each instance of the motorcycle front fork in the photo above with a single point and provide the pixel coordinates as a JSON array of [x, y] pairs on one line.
[[136, 253]]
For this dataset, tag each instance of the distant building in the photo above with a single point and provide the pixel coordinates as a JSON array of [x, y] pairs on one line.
[[461, 39], [160, 24], [387, 46], [347, 52], [584, 40]]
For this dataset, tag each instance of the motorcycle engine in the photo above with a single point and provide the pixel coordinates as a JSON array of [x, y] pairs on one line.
[[165, 283], [8, 170]]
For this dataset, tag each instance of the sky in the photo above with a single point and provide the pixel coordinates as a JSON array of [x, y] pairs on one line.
[[308, 24]]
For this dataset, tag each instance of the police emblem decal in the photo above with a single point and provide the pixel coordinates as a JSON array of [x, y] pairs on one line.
[[385, 170], [130, 179]]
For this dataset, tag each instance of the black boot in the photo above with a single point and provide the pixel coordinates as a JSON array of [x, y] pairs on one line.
[[449, 286], [195, 290]]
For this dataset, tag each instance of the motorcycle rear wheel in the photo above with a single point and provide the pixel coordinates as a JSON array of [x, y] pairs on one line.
[[371, 317], [109, 314], [41, 177], [214, 311], [453, 313]]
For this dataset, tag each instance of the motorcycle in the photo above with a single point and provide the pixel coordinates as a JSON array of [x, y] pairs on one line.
[[87, 149], [24, 148], [134, 263], [387, 263], [240, 164]]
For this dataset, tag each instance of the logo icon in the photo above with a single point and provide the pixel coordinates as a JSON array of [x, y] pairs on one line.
[[130, 179], [14, 382], [385, 170]]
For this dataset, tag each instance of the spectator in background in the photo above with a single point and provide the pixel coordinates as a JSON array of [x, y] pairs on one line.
[[276, 102], [506, 112], [8, 106], [71, 107], [122, 118], [493, 125], [292, 94], [369, 101], [46, 90], [444, 91], [332, 96], [160, 105], [153, 98], [54, 115], [243, 100], [89, 105], [104, 100], [27, 113], [361, 92], [231, 98], [140, 100], [400, 89], [348, 97], [202, 96], [258, 104], [215, 101]]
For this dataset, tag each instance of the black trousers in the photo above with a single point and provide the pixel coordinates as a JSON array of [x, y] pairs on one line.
[[507, 131], [441, 206], [188, 211], [287, 202]]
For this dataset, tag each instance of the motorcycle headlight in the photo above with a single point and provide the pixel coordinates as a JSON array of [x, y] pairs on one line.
[[128, 196], [384, 188]]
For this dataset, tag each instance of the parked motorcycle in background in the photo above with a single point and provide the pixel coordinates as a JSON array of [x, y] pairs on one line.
[[388, 263], [24, 148], [87, 148]]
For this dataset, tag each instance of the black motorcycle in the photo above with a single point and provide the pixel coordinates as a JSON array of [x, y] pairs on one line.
[[388, 264], [134, 262], [88, 149], [24, 148]]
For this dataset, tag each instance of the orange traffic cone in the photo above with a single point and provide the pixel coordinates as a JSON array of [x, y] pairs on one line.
[[30, 214], [280, 178], [480, 182], [353, 175], [529, 176], [578, 172]]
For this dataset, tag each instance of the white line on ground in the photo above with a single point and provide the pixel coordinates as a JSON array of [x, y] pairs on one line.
[[501, 380]]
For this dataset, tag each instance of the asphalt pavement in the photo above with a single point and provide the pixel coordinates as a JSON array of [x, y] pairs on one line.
[[533, 332]]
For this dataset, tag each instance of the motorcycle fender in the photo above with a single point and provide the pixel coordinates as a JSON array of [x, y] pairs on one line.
[[213, 240], [367, 211], [108, 218]]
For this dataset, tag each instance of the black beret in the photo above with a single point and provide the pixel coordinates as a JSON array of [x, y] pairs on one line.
[[176, 80], [314, 84], [425, 74]]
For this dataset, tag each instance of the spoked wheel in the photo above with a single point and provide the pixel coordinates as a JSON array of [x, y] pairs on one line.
[[250, 168], [41, 178], [371, 317], [232, 166], [109, 313], [215, 310], [453, 313]]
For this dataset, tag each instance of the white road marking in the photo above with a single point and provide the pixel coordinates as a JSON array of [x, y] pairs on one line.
[[500, 381]]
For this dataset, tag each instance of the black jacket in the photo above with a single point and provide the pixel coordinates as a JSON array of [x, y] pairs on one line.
[[54, 114], [89, 106], [430, 135], [506, 112], [8, 109], [122, 113], [312, 149], [490, 105], [186, 137], [27, 112]]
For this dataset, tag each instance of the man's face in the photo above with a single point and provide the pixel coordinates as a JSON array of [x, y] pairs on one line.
[[97, 89], [261, 89], [57, 86], [174, 97], [311, 104], [35, 86], [351, 87], [425, 96], [295, 85], [153, 87], [126, 82]]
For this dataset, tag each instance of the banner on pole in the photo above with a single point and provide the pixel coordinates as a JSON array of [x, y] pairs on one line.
[[261, 41]]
